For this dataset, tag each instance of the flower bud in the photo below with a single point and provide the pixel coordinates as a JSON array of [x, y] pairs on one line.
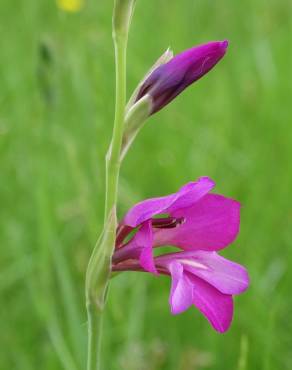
[[163, 59], [170, 79]]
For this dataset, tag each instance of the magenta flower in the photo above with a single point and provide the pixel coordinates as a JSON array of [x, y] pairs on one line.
[[198, 223], [170, 79], [195, 220]]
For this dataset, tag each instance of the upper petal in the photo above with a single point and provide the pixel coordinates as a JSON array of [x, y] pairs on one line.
[[210, 224], [181, 289], [215, 306], [186, 196]]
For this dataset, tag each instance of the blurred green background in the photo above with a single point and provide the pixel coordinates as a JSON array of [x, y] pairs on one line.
[[56, 114]]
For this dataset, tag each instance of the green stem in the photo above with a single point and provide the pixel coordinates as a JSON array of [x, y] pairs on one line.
[[113, 155], [94, 337], [99, 267]]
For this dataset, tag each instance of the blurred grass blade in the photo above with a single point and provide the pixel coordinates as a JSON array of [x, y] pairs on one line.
[[60, 346], [51, 251], [69, 300], [243, 353], [15, 272], [45, 72]]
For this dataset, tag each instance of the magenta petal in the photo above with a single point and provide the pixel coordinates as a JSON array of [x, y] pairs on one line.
[[144, 242], [210, 224], [187, 195], [139, 247], [145, 237], [227, 276], [181, 290], [217, 307]]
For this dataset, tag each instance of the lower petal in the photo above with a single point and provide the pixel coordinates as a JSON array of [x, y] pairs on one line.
[[225, 275], [214, 305], [181, 289]]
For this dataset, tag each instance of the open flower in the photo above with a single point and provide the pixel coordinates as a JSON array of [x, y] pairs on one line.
[[168, 80], [190, 219], [198, 223]]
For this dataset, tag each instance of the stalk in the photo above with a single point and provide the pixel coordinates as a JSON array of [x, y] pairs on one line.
[[94, 337], [99, 267], [113, 155]]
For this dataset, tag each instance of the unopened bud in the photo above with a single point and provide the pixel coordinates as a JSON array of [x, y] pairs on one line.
[[170, 79]]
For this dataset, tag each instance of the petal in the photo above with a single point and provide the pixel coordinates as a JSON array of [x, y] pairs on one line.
[[145, 239], [210, 224], [187, 195], [181, 290], [227, 276], [215, 306], [139, 247]]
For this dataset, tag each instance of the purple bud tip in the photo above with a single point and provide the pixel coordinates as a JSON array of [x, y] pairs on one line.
[[225, 44]]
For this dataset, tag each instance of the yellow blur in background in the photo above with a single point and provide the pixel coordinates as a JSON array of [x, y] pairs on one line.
[[71, 6]]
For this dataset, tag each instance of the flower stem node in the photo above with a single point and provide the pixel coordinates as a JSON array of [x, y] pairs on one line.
[[98, 270]]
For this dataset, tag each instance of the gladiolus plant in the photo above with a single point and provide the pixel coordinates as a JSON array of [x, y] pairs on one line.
[[196, 221]]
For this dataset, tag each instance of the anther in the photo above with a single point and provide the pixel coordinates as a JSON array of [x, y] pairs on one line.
[[167, 223]]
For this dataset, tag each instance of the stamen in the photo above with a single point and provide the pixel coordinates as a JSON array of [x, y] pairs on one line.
[[124, 231], [167, 222]]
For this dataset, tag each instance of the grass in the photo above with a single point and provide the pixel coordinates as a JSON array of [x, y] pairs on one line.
[[56, 114]]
